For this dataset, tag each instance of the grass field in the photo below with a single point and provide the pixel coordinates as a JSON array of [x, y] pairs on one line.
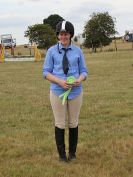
[[105, 148]]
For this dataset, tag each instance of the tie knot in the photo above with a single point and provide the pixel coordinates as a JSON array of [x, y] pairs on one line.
[[65, 49]]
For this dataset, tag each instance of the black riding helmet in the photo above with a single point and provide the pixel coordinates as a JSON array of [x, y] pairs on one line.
[[65, 26]]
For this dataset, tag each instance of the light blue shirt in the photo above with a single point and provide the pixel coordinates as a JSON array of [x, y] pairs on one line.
[[53, 65]]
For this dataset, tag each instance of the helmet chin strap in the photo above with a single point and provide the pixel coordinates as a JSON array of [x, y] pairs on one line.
[[67, 43], [59, 48]]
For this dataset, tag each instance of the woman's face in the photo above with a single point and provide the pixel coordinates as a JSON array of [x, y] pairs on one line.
[[64, 38]]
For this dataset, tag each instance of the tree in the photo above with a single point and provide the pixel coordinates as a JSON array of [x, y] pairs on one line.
[[99, 30], [75, 39], [42, 35], [52, 20]]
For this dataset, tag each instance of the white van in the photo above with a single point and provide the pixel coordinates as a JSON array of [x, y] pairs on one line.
[[7, 41]]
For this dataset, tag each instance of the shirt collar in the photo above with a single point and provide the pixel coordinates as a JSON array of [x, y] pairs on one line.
[[61, 46]]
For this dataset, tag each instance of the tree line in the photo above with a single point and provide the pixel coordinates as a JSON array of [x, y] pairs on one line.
[[98, 31]]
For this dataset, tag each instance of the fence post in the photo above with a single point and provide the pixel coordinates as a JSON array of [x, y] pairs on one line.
[[2, 57]]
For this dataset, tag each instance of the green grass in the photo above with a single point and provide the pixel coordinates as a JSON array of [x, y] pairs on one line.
[[27, 146]]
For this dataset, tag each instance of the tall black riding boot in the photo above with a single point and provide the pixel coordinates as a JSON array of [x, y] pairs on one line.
[[73, 139], [59, 137]]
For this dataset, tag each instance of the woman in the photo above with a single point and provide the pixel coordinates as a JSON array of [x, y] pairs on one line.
[[63, 60]]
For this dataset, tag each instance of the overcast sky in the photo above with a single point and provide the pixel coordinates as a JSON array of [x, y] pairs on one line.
[[17, 15]]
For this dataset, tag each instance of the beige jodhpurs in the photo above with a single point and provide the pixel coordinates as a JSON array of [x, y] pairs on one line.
[[70, 110]]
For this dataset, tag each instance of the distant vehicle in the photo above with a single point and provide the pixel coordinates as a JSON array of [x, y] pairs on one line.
[[8, 41], [14, 41], [128, 36]]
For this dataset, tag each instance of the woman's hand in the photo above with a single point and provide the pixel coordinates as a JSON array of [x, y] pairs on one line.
[[79, 81], [63, 84]]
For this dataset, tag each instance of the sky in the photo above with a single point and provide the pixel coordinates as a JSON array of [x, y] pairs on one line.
[[17, 15]]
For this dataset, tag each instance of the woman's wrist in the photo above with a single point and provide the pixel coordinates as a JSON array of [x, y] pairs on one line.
[[81, 78]]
